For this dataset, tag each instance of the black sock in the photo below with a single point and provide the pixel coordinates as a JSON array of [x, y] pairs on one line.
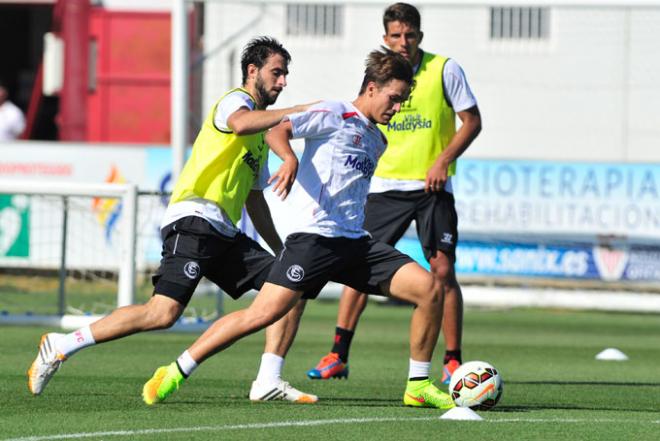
[[342, 343], [418, 378], [453, 355]]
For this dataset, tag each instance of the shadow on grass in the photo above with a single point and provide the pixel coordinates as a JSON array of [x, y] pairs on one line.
[[537, 407], [511, 409], [585, 383]]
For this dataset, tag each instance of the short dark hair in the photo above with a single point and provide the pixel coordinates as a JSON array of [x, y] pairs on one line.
[[403, 12], [257, 52], [383, 66]]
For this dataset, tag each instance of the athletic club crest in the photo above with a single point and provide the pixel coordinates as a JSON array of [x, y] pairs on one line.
[[357, 139], [295, 273], [610, 263], [191, 270]]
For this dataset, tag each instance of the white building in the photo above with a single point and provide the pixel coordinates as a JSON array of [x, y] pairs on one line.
[[555, 80]]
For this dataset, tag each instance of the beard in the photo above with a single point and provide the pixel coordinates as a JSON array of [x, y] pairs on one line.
[[265, 97]]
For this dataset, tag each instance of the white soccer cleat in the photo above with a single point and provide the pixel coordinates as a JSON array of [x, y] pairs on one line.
[[43, 367], [280, 390]]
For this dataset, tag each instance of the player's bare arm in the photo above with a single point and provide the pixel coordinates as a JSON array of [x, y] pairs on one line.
[[278, 140], [259, 212], [436, 177], [246, 122]]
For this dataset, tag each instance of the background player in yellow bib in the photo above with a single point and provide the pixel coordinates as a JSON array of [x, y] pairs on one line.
[[413, 182], [226, 171]]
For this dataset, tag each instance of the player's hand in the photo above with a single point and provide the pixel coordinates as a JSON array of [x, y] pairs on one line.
[[284, 177], [436, 178]]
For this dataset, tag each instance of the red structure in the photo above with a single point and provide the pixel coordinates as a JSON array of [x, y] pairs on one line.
[[116, 85], [73, 16], [128, 95]]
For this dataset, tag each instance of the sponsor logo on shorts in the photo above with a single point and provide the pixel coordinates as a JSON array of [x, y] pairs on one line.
[[447, 238], [295, 273], [191, 270]]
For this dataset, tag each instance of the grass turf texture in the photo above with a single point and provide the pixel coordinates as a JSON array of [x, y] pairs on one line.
[[554, 388]]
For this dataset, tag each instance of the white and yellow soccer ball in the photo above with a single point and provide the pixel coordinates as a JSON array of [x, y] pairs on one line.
[[477, 385]]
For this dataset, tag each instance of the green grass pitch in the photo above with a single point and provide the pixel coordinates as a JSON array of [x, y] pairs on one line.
[[554, 388]]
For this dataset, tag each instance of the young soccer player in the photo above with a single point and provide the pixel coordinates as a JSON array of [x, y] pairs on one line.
[[342, 147], [413, 182], [226, 170]]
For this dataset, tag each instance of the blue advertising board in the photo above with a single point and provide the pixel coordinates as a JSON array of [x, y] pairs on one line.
[[536, 198], [561, 197]]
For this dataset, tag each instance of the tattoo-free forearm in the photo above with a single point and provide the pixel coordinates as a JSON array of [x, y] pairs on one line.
[[259, 212]]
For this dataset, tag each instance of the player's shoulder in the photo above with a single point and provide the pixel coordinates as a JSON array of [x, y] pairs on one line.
[[452, 65], [238, 96], [331, 106], [449, 62], [331, 110]]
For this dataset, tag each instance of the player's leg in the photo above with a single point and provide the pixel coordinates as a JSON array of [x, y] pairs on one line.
[[387, 217], [442, 268], [301, 267], [159, 312], [172, 291], [351, 305], [378, 268], [271, 304], [280, 335], [54, 348], [335, 363], [415, 285], [269, 384], [437, 227]]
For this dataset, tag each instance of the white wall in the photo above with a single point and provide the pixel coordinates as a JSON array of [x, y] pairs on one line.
[[587, 93]]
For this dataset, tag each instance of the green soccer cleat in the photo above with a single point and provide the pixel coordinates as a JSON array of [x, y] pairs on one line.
[[423, 393], [165, 381]]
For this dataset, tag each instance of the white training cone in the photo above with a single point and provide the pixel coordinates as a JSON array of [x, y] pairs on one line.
[[611, 354], [461, 413]]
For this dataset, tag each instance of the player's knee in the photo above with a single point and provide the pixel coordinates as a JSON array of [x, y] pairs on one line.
[[161, 315], [430, 292], [262, 317], [426, 292]]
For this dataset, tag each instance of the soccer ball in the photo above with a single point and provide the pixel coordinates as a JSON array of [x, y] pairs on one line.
[[477, 385]]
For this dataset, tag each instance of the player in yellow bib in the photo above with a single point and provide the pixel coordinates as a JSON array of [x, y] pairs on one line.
[[226, 171], [413, 182]]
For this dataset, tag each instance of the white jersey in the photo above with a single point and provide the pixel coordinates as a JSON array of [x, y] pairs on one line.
[[342, 148], [209, 210]]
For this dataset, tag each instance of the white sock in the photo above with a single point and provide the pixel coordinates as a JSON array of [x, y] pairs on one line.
[[270, 369], [75, 341], [186, 364], [419, 369]]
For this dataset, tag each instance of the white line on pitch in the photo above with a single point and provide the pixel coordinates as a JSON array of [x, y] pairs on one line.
[[307, 423]]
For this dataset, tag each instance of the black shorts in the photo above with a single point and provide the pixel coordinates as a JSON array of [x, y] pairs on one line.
[[309, 261], [388, 215], [192, 248]]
